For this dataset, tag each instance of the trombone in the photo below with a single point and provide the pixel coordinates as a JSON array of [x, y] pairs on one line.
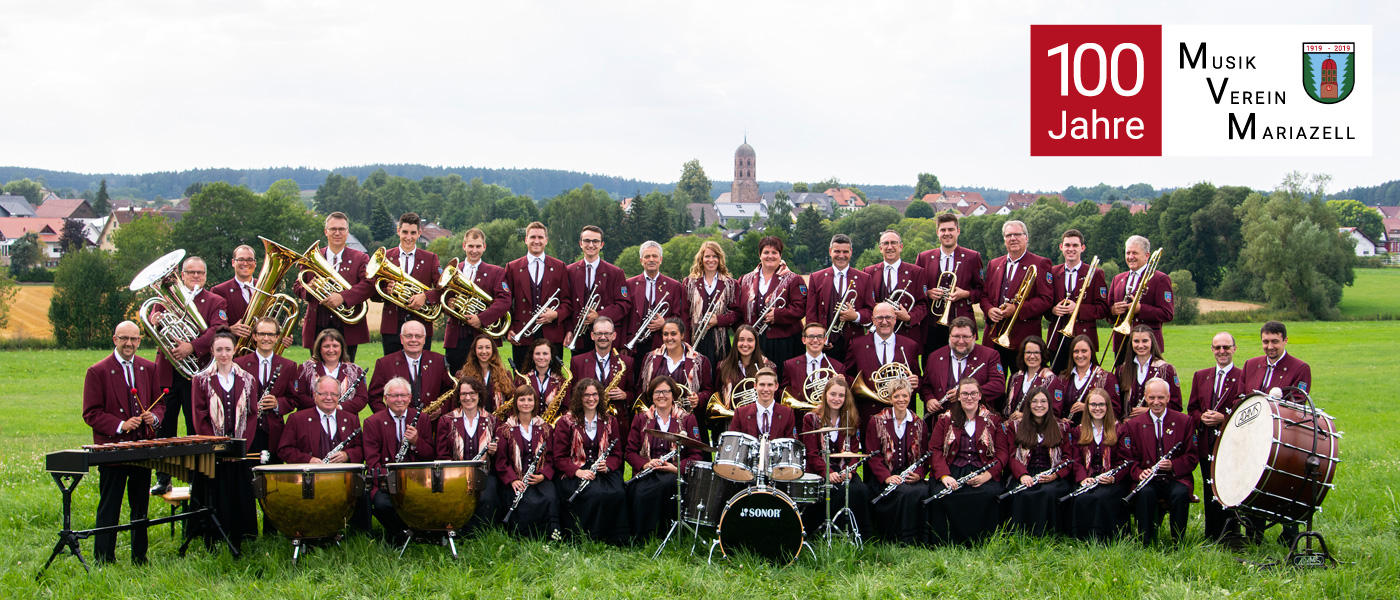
[[534, 324], [1124, 325], [404, 288], [1067, 332], [1001, 332]]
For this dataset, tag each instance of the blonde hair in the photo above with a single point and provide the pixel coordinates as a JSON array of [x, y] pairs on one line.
[[697, 268]]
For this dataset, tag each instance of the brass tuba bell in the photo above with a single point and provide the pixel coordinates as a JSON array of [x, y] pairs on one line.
[[462, 297], [324, 281], [267, 302], [404, 289], [170, 315]]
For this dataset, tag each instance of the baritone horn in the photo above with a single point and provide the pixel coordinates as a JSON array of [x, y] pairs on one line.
[[324, 281], [1001, 332], [462, 297], [404, 287], [178, 321], [267, 302]]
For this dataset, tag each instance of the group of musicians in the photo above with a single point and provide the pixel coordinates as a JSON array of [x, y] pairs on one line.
[[650, 353]]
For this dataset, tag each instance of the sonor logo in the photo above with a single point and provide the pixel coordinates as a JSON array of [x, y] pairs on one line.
[[1247, 415], [760, 513]]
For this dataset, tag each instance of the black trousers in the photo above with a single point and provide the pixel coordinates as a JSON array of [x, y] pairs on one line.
[[388, 516], [113, 482], [839, 346], [1215, 514], [1146, 511], [1059, 353], [937, 336]]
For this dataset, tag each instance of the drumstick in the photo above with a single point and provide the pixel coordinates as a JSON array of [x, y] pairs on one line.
[[147, 409]]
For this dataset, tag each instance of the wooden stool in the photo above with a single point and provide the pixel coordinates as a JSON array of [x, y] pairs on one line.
[[177, 497]]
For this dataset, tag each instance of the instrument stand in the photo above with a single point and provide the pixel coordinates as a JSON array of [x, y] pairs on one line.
[[829, 528], [680, 522], [298, 544], [449, 539]]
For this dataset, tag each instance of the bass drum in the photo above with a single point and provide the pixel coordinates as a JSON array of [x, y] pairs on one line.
[[1261, 458], [706, 494], [764, 521]]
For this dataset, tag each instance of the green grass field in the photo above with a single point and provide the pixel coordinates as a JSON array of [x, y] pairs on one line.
[[1373, 296], [1352, 363]]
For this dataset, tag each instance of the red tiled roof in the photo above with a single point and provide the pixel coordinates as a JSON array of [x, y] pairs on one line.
[[61, 208], [15, 227]]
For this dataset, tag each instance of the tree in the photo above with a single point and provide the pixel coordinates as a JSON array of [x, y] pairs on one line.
[[192, 189], [9, 288], [693, 187], [284, 190], [865, 225], [1187, 307], [381, 224], [25, 253], [505, 241], [1106, 241], [828, 183], [928, 184], [32, 191], [72, 237], [918, 209], [447, 248], [102, 203], [1351, 213], [89, 299], [801, 188], [223, 217], [342, 194], [811, 234], [568, 213], [1293, 220], [139, 243], [780, 213]]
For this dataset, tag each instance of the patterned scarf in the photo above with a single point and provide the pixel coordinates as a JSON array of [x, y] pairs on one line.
[[208, 380], [913, 436], [985, 446], [540, 431]]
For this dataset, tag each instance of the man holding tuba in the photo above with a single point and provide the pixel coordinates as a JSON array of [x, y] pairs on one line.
[[487, 277], [240, 292], [1005, 276], [323, 312], [955, 275], [422, 267], [1155, 306]]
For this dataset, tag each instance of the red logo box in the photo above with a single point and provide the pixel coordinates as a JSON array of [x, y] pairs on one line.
[[1096, 90]]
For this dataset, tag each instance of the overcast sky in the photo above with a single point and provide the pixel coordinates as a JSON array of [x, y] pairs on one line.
[[871, 92]]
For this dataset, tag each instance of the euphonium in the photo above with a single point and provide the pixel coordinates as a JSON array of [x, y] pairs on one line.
[[179, 321], [266, 302], [947, 282], [1001, 332], [325, 281], [462, 297], [404, 289]]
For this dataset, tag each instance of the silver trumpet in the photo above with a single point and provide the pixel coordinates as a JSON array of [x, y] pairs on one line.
[[643, 332], [848, 301], [901, 299], [534, 324], [704, 328], [588, 307], [776, 302]]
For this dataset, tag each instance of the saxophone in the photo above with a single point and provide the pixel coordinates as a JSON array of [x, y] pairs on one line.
[[614, 382], [551, 412]]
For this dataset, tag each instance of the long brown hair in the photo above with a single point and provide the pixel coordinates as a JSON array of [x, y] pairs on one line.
[[1110, 421], [1047, 427], [522, 391], [1093, 355], [1125, 370], [501, 381], [730, 369], [847, 413], [576, 397], [697, 268]]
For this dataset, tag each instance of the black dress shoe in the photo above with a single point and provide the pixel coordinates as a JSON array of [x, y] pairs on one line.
[[160, 489]]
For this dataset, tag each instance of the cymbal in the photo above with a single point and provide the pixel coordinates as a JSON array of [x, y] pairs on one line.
[[828, 430], [682, 439], [849, 455]]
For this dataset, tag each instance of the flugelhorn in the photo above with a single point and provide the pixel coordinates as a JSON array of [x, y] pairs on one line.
[[1001, 332], [644, 332], [462, 297], [266, 302], [947, 281], [403, 286], [588, 307], [324, 281], [901, 299], [776, 302], [178, 321], [534, 324], [848, 301]]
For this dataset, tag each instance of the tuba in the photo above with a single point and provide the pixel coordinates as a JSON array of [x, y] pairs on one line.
[[1001, 332], [179, 321], [325, 281], [462, 297], [404, 289], [266, 302]]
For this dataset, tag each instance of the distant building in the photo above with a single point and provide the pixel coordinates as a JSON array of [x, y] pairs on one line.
[[801, 200], [844, 199], [744, 189], [1391, 226], [1389, 212], [703, 215], [730, 212], [49, 230], [1019, 201], [176, 210], [65, 208], [1364, 245], [353, 242], [119, 217], [430, 232], [15, 206]]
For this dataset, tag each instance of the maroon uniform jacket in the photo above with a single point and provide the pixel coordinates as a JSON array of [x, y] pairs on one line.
[[491, 279], [571, 450], [381, 441], [795, 374], [821, 304], [1019, 457], [1052, 384], [352, 269], [967, 265], [232, 293], [784, 423], [586, 365], [514, 452], [1142, 445], [526, 298], [1155, 309], [693, 372], [609, 282], [890, 455], [846, 441], [990, 443], [787, 321], [282, 389], [205, 391], [938, 375], [427, 271], [305, 385], [642, 447], [211, 307], [1093, 307], [304, 439], [1289, 371], [452, 427], [1132, 391], [432, 370], [998, 288], [1094, 459], [107, 399], [1204, 398], [698, 302], [1080, 393], [912, 279], [863, 358], [636, 295], [546, 389]]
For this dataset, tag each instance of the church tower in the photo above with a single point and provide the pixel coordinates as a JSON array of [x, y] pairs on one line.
[[745, 186]]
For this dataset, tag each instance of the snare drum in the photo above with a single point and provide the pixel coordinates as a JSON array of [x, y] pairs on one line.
[[1261, 459], [803, 490], [786, 459], [737, 458], [764, 521], [436, 496], [706, 494], [307, 501]]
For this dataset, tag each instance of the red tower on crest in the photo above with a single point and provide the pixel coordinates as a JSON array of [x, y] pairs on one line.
[[1329, 79]]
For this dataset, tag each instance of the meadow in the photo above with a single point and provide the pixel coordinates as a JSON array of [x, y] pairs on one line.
[[40, 400]]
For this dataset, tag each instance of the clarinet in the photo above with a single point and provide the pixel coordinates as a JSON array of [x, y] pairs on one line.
[[594, 470], [961, 480], [403, 446], [530, 472], [267, 389], [1021, 488], [482, 454], [647, 471], [1152, 473], [342, 444], [350, 391], [1084, 488], [889, 489], [852, 469]]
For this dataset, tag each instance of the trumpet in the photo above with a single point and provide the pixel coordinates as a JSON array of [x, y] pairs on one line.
[[588, 307], [947, 282], [776, 302], [848, 301], [325, 281], [901, 299], [740, 394], [703, 328], [534, 324], [404, 286], [643, 332], [266, 302], [1002, 330], [178, 321], [462, 297]]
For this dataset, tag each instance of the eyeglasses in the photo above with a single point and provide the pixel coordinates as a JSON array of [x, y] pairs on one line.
[[412, 336], [1097, 405], [889, 242], [1032, 353], [128, 338], [337, 229], [265, 333], [398, 395], [1218, 348], [884, 318], [1013, 235], [188, 272], [603, 334], [969, 394], [661, 392], [813, 336], [591, 242]]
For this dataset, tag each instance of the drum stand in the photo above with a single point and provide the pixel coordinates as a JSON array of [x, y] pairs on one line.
[[449, 539], [829, 528], [680, 522]]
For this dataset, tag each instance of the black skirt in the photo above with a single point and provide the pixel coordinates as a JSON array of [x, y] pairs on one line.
[[651, 504], [600, 511], [1037, 510], [814, 515], [1099, 514], [966, 515], [487, 506], [538, 512], [900, 516], [230, 494]]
